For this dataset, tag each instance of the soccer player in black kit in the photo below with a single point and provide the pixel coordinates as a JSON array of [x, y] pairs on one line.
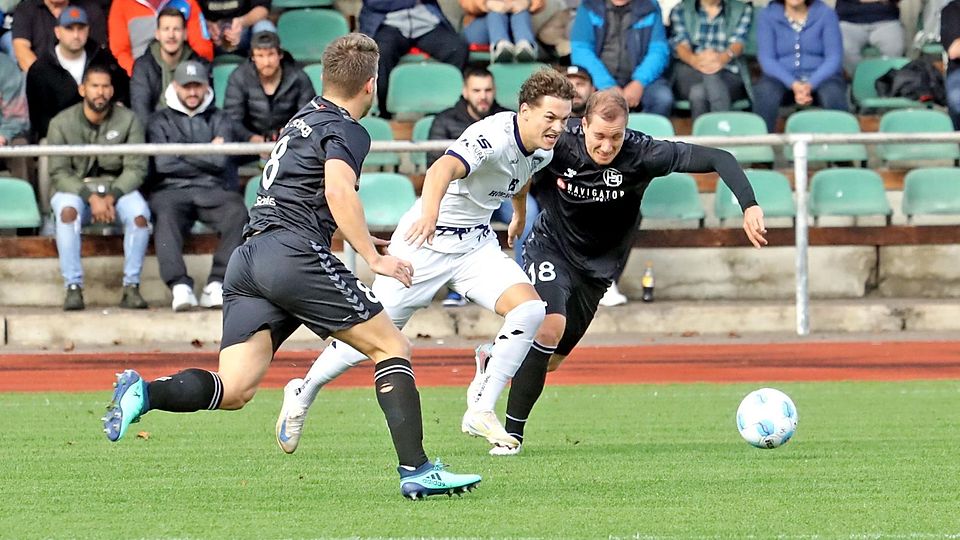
[[285, 275], [590, 195]]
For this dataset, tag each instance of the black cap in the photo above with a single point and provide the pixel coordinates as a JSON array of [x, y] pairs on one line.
[[577, 71], [265, 40]]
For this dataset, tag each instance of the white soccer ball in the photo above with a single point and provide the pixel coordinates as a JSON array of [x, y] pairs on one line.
[[767, 418]]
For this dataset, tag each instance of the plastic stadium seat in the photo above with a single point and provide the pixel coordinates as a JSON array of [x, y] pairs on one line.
[[250, 191], [379, 130], [306, 32], [864, 91], [228, 59], [732, 124], [848, 192], [221, 75], [300, 4], [653, 125], [932, 190], [509, 78], [315, 72], [421, 132], [18, 204], [386, 197], [916, 121], [674, 196], [423, 88], [773, 192], [824, 121]]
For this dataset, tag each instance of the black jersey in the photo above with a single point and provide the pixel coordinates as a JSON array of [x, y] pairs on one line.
[[292, 187], [591, 211]]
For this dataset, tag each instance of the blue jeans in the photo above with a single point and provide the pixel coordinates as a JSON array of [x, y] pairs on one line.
[[135, 238], [243, 48], [657, 98], [495, 27], [769, 94], [953, 97], [505, 213]]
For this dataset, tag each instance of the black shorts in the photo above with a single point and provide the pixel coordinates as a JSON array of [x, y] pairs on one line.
[[567, 290], [278, 280]]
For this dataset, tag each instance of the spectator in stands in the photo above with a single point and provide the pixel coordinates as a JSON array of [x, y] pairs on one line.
[[14, 117], [708, 38], [583, 85], [623, 44], [398, 25], [34, 22], [133, 27], [507, 26], [873, 22], [264, 92], [231, 23], [801, 54], [53, 80], [153, 72], [950, 39], [101, 189], [191, 188]]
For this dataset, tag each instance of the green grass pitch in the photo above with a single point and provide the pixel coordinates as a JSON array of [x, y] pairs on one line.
[[869, 460]]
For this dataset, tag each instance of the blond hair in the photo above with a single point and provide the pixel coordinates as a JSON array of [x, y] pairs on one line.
[[348, 63], [609, 105]]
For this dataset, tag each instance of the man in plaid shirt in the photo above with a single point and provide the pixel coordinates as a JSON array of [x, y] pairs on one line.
[[708, 37]]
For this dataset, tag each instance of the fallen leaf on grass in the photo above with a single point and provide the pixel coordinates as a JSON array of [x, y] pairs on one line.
[[145, 435]]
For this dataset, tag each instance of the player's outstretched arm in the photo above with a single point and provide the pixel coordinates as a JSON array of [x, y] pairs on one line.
[[439, 175], [347, 211], [706, 159]]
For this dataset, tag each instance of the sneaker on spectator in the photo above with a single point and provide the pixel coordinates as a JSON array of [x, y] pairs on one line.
[[454, 299], [74, 298], [502, 52], [524, 52], [183, 297], [212, 296], [613, 297], [132, 298]]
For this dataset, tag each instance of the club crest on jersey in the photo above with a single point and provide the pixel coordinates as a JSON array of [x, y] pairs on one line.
[[612, 177], [570, 173]]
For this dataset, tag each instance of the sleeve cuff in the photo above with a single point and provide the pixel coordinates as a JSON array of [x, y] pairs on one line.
[[85, 193], [458, 156], [748, 204]]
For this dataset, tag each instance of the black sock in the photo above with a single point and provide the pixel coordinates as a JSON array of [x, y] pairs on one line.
[[398, 397], [526, 388], [188, 391]]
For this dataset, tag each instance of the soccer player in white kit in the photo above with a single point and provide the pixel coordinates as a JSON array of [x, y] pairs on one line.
[[447, 238]]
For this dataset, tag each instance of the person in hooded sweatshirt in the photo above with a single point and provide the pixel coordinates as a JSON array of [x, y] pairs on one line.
[[191, 188]]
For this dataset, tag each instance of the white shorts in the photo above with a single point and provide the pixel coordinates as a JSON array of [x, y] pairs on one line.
[[481, 275]]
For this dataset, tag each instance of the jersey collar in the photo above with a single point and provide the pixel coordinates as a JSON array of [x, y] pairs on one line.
[[516, 136]]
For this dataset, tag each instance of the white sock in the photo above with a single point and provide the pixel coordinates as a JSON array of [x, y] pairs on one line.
[[509, 349], [336, 359]]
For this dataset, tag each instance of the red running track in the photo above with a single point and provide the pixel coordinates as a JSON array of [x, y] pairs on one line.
[[683, 363]]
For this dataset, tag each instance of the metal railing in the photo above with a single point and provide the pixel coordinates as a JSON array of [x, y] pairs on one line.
[[800, 142]]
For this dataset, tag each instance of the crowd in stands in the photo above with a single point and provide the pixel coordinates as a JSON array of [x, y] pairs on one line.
[[118, 71]]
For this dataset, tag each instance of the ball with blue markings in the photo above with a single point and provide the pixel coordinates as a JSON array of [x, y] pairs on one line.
[[767, 418]]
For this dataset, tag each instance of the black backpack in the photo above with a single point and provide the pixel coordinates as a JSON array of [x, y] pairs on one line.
[[918, 80]]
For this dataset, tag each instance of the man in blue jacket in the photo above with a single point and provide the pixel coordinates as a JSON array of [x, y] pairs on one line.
[[623, 45], [398, 25]]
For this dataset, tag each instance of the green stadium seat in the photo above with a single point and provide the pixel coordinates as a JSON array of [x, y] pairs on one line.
[[863, 89], [773, 192], [304, 33], [379, 130], [428, 88], [315, 72], [824, 121], [421, 132], [221, 75], [300, 4], [848, 192], [653, 125], [18, 204], [508, 79], [386, 197], [931, 191], [917, 121], [674, 196], [228, 59], [735, 123], [250, 191]]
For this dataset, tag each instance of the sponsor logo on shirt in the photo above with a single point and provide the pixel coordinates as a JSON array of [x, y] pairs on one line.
[[570, 173], [112, 134], [612, 177]]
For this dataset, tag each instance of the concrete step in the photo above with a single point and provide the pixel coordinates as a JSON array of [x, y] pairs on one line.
[[54, 329]]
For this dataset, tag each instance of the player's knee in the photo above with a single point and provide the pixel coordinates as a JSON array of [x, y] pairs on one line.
[[529, 315], [140, 221], [235, 399], [68, 215], [550, 331]]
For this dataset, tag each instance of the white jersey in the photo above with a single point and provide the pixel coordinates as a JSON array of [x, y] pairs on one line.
[[497, 169]]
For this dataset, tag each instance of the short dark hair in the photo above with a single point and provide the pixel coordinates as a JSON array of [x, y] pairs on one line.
[[807, 2], [609, 105], [545, 82], [476, 71], [96, 68], [349, 62], [172, 12]]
